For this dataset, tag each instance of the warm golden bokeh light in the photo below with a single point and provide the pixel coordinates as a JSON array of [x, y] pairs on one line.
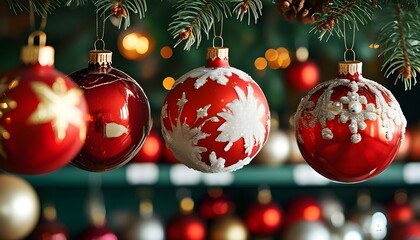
[[130, 41], [374, 45], [187, 205], [166, 52], [142, 45], [168, 82], [260, 63], [302, 54], [135, 45], [271, 55]]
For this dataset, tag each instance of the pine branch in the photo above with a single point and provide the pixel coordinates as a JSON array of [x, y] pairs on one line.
[[40, 7], [400, 46], [250, 7], [76, 2], [334, 17], [121, 9], [195, 16]]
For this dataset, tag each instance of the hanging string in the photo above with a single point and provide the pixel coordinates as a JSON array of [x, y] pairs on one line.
[[352, 43], [43, 23], [220, 35], [100, 36]]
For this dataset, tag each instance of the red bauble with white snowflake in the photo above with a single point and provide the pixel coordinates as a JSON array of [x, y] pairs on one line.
[[43, 113], [215, 118], [349, 129], [119, 115]]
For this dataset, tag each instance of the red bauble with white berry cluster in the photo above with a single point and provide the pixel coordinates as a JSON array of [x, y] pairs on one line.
[[215, 118], [349, 129]]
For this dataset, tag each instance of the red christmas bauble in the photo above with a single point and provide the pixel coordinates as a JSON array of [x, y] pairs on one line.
[[264, 219], [216, 204], [303, 209], [43, 114], [215, 118], [119, 115], [302, 76], [349, 129], [186, 227], [152, 149], [98, 233], [50, 230]]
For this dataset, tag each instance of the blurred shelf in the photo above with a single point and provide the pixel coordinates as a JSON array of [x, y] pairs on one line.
[[398, 174]]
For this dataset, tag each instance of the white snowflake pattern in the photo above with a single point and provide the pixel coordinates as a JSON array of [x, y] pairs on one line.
[[243, 120], [183, 139], [352, 107], [220, 75]]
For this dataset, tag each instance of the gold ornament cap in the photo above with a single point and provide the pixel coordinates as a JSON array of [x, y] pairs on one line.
[[32, 54], [218, 52], [100, 57], [350, 67]]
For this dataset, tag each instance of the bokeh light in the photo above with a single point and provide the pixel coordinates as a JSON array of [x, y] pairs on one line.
[[166, 52], [260, 63], [135, 45], [168, 82], [271, 55]]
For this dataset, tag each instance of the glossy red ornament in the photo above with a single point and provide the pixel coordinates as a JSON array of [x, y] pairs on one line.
[[43, 114], [186, 227], [216, 204], [350, 128], [152, 149], [302, 209], [215, 118], [98, 233], [119, 115], [302, 76]]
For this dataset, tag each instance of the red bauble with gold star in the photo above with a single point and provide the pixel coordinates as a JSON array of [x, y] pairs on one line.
[[215, 118], [119, 115], [349, 129], [43, 114]]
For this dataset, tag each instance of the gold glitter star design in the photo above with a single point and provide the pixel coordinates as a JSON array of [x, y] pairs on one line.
[[58, 106], [6, 105]]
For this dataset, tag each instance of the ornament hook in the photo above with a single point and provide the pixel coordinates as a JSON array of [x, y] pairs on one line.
[[42, 38], [352, 43], [100, 37], [32, 19], [218, 36]]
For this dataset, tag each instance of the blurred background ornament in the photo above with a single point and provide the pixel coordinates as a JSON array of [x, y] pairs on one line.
[[302, 208], [49, 227], [228, 227], [152, 149], [332, 210], [303, 74], [186, 225], [399, 211], [19, 207], [307, 230], [347, 231], [216, 204], [146, 226], [265, 217]]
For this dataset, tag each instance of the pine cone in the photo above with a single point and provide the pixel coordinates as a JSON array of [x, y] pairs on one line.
[[300, 10]]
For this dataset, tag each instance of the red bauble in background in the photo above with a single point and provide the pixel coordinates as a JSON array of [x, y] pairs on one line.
[[349, 129], [399, 211], [152, 149], [216, 204], [43, 118], [264, 219], [49, 228], [215, 118], [408, 231], [302, 209], [98, 233], [187, 227], [119, 114], [302, 76]]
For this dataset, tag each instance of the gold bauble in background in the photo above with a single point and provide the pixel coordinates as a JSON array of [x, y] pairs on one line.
[[19, 207], [228, 227]]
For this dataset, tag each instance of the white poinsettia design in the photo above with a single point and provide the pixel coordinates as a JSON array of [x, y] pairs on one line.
[[219, 75], [243, 120], [58, 106], [182, 139]]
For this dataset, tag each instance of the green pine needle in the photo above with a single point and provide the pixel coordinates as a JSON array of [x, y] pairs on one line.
[[249, 7], [39, 7], [399, 39], [340, 13], [138, 7]]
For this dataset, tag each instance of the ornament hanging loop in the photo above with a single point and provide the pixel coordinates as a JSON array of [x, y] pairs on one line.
[[99, 36], [42, 38], [218, 36], [349, 50]]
